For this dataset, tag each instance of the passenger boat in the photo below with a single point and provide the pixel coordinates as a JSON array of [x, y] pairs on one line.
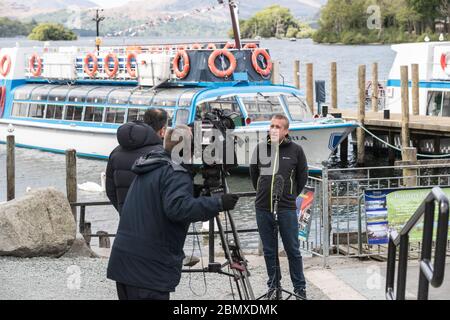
[[56, 98]]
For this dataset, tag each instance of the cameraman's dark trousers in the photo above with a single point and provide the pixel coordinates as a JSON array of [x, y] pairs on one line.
[[126, 292]]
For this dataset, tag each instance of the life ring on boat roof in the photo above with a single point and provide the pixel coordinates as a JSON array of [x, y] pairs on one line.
[[5, 70], [111, 72], [251, 45], [90, 71], [35, 65], [130, 57], [230, 45], [265, 70], [212, 63], [181, 74]]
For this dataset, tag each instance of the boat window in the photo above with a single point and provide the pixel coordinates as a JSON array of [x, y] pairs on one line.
[[167, 98], [186, 98], [98, 95], [58, 94], [228, 103], [298, 109], [119, 96], [115, 115], [74, 113], [19, 109], [24, 92], [182, 116], [41, 92], [262, 108], [78, 94], [446, 105], [36, 110], [54, 112], [135, 114], [94, 114], [142, 97]]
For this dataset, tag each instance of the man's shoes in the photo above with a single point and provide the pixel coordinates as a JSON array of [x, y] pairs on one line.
[[300, 294], [190, 261]]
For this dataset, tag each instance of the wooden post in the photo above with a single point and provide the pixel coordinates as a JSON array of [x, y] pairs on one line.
[[375, 87], [297, 74], [391, 152], [71, 178], [405, 106], [415, 89], [276, 72], [103, 239], [409, 175], [361, 137], [87, 233], [309, 86], [10, 168], [334, 92], [344, 150]]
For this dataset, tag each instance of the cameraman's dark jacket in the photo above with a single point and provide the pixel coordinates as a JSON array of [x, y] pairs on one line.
[[148, 249], [136, 139], [291, 163]]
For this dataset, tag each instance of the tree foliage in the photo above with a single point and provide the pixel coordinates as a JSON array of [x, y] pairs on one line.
[[346, 21], [14, 28], [51, 31], [273, 21]]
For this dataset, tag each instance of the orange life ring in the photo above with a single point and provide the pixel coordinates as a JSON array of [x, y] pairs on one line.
[[33, 60], [90, 72], [181, 74], [230, 45], [5, 70], [108, 71], [196, 46], [212, 63], [211, 46], [266, 71], [130, 71], [251, 45]]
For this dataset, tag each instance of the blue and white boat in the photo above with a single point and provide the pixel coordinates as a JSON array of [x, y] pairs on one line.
[[68, 97]]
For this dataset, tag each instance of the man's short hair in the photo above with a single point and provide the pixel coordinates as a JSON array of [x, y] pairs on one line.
[[156, 118], [181, 133], [282, 117]]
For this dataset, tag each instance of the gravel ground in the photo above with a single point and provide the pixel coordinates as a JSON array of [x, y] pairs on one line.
[[57, 279]]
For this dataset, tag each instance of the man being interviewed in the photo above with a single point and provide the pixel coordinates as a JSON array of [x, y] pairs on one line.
[[289, 161], [147, 254]]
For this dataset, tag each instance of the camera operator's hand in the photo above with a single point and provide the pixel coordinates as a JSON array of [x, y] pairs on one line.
[[229, 201]]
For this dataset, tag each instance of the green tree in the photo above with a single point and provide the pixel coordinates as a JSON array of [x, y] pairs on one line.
[[51, 31]]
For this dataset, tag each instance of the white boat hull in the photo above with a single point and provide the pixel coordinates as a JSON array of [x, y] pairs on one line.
[[317, 143]]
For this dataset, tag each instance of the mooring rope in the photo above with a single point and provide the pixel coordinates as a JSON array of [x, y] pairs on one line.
[[446, 155]]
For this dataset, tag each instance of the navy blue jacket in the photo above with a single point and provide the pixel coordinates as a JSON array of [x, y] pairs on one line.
[[136, 139], [148, 249]]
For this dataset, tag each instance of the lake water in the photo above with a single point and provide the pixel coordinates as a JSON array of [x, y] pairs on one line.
[[36, 169]]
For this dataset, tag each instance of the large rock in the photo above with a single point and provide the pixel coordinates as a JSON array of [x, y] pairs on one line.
[[38, 224]]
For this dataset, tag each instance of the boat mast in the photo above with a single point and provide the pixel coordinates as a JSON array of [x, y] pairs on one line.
[[235, 22]]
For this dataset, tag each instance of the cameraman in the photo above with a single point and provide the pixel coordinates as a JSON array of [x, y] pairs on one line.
[[289, 161], [146, 258]]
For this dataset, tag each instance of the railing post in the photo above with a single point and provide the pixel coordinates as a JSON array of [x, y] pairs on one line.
[[402, 266], [390, 273], [427, 238], [325, 213], [103, 239], [10, 168]]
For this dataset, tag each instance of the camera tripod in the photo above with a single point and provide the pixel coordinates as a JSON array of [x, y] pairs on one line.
[[215, 185]]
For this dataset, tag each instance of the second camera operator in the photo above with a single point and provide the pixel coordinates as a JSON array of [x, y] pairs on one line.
[[146, 258]]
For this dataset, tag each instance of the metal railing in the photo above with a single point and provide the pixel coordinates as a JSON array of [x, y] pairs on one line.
[[429, 274]]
